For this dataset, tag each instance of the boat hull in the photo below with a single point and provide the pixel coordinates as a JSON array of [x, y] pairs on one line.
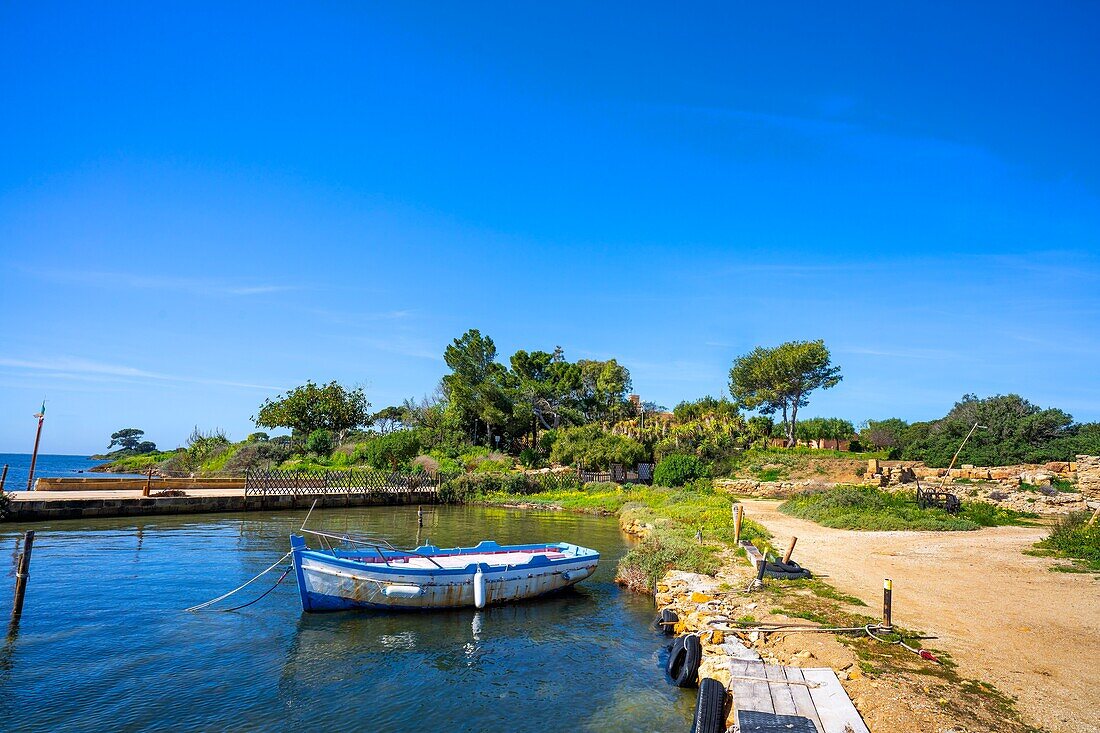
[[327, 582]]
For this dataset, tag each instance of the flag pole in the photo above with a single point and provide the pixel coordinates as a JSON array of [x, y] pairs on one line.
[[41, 415]]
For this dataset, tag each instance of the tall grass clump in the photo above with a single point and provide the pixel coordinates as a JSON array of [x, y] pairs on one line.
[[1072, 537], [869, 508]]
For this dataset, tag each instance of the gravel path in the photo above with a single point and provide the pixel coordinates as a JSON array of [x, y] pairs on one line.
[[1002, 615]]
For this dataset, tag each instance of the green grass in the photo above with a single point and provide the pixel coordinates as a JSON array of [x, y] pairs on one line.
[[868, 508], [1073, 538], [140, 463], [673, 517]]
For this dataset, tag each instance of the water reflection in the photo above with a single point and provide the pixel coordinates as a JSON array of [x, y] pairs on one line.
[[127, 657]]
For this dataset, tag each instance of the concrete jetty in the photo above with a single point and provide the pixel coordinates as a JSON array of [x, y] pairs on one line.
[[109, 501]]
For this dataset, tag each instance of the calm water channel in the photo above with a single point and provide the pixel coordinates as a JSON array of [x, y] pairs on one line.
[[103, 644]]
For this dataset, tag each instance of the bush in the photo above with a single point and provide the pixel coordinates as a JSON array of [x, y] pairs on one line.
[[320, 442], [529, 458], [426, 464], [1073, 537], [5, 505], [390, 451], [869, 508], [467, 487], [678, 469], [260, 437], [591, 447]]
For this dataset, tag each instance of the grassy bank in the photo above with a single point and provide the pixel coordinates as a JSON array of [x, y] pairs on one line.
[[669, 521], [1072, 538], [868, 508]]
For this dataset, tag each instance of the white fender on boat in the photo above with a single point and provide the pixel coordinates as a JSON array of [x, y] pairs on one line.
[[479, 589], [402, 591], [576, 574]]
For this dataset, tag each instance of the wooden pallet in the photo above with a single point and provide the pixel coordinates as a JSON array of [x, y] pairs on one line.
[[768, 697]]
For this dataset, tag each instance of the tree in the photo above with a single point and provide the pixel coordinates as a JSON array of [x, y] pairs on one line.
[[310, 407], [888, 434], [1015, 431], [388, 418], [127, 439], [604, 389], [476, 385], [780, 379]]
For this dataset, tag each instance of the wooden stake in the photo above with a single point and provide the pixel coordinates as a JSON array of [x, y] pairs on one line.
[[737, 524], [887, 602], [148, 480], [1092, 521], [419, 516], [34, 456], [21, 574], [3, 477], [790, 550]]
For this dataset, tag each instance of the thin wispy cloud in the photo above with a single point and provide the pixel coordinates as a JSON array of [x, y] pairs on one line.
[[192, 286], [933, 354], [67, 367]]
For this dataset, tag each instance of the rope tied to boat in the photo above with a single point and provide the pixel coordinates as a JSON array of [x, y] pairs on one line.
[[242, 586]]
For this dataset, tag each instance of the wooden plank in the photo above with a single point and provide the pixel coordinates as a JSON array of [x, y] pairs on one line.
[[782, 701], [834, 708], [800, 696], [747, 694]]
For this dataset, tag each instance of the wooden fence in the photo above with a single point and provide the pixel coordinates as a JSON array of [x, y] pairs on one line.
[[275, 482], [642, 474]]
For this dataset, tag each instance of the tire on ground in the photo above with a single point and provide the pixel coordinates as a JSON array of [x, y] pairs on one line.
[[684, 659], [710, 707], [786, 571]]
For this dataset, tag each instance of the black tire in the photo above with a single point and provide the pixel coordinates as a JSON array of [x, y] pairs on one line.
[[666, 621], [710, 708], [786, 571], [684, 659]]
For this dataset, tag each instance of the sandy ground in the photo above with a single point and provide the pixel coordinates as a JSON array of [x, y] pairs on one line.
[[1002, 615]]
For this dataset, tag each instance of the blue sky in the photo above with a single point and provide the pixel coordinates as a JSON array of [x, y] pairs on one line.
[[203, 206]]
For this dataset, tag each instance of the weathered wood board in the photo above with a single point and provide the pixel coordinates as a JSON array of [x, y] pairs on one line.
[[768, 697]]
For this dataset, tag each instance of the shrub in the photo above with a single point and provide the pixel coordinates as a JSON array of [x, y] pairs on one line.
[[426, 464], [320, 442], [678, 469], [529, 458], [466, 487], [591, 447], [390, 451], [260, 437], [5, 505], [1073, 537]]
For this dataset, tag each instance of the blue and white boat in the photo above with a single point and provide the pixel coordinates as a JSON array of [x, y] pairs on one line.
[[371, 573]]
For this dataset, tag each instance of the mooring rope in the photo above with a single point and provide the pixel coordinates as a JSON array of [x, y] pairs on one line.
[[244, 585]]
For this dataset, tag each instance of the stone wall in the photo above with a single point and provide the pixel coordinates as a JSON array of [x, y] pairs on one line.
[[1088, 476]]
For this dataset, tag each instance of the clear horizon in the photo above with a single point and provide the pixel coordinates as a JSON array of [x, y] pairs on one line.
[[205, 206]]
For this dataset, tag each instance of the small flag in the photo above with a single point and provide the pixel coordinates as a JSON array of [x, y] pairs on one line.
[[41, 413]]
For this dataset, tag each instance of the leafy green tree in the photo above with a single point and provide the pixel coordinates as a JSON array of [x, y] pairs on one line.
[[129, 439], [780, 379], [1015, 431], [388, 418], [544, 385], [476, 386], [258, 437], [605, 386], [311, 407], [889, 435]]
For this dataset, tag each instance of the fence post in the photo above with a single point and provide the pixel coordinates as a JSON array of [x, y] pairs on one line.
[[3, 477]]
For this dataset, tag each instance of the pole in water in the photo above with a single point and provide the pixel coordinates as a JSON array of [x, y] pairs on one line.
[[790, 550], [3, 477], [887, 601], [419, 516], [21, 574]]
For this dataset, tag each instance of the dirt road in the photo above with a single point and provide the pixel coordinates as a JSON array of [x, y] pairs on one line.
[[1002, 615]]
